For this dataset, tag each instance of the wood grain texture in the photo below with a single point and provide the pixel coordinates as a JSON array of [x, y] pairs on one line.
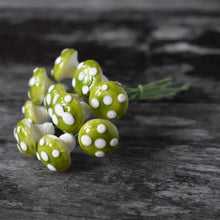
[[167, 164]]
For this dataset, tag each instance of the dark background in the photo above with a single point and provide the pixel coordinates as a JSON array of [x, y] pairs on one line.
[[167, 164]]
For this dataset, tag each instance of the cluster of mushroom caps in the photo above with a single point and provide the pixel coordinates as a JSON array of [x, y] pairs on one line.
[[50, 104]]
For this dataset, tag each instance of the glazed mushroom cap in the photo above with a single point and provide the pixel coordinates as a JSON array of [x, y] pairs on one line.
[[65, 65], [87, 74], [53, 93], [39, 84], [68, 114], [37, 114], [27, 135], [54, 153], [108, 100], [98, 137]]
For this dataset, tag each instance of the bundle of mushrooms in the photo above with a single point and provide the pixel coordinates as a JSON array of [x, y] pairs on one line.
[[50, 101]]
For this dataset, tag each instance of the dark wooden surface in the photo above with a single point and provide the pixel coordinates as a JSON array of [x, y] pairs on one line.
[[167, 165]]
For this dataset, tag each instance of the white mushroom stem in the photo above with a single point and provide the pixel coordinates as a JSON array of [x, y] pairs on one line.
[[41, 113], [40, 130], [69, 141], [104, 78], [86, 109]]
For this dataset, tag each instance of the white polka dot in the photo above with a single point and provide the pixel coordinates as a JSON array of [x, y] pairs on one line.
[[85, 90], [68, 118], [101, 128], [16, 137], [51, 72], [55, 153], [55, 119], [80, 65], [32, 81], [35, 70], [49, 97], [100, 143], [86, 140], [50, 144], [95, 103], [107, 100], [55, 98], [19, 129], [100, 154], [111, 114], [68, 98], [114, 142], [105, 87], [51, 88], [30, 120], [59, 109], [38, 157], [64, 50], [81, 76], [42, 142], [58, 60], [74, 82], [29, 94], [51, 167], [23, 109], [121, 97], [93, 71], [44, 156], [50, 112], [24, 146]]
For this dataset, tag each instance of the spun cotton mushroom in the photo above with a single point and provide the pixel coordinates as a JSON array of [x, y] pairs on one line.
[[39, 84], [54, 152], [53, 93], [98, 137], [69, 113], [108, 100], [87, 74], [65, 65], [27, 135], [37, 114]]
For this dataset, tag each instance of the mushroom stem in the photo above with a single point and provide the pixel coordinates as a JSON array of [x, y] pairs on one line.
[[86, 109], [69, 141], [41, 114], [43, 129], [104, 78]]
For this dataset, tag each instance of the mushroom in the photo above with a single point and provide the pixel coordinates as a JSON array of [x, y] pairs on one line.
[[98, 137], [54, 152], [27, 135], [52, 95], [108, 100], [87, 74], [37, 114], [69, 113], [65, 65], [39, 84]]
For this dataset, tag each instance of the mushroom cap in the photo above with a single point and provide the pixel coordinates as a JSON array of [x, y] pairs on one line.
[[38, 83], [68, 113], [98, 137], [87, 74], [65, 65], [26, 142], [37, 114], [53, 153], [108, 100], [53, 93]]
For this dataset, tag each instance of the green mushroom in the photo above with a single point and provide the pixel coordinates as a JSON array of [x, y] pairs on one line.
[[54, 152], [28, 134], [65, 65], [108, 100], [98, 137], [39, 84], [37, 114], [52, 96], [87, 74], [68, 114]]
